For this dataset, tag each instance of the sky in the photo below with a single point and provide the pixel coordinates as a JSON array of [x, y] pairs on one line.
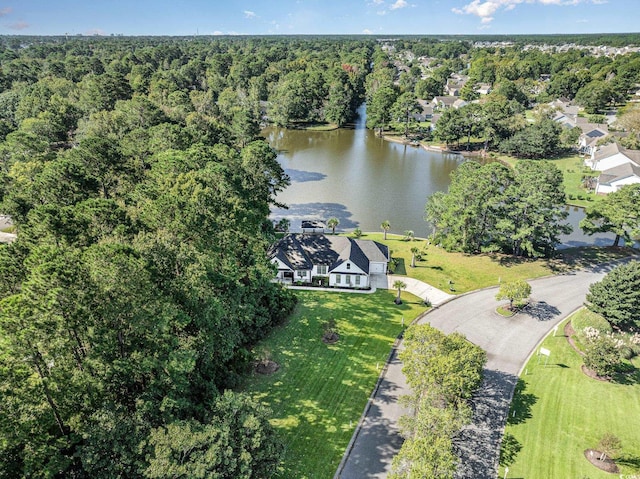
[[289, 17]]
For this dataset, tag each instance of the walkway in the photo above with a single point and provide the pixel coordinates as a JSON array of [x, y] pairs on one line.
[[414, 286], [508, 342]]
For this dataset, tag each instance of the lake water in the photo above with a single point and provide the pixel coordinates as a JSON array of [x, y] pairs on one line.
[[363, 180]]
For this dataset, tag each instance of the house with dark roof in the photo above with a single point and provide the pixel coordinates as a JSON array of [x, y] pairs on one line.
[[337, 260]]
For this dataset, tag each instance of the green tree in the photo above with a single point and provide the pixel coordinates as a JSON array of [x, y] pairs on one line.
[[540, 140], [379, 109], [403, 109], [414, 252], [515, 291], [386, 226], [238, 441], [618, 213], [399, 285], [428, 88], [617, 297], [534, 217], [333, 223]]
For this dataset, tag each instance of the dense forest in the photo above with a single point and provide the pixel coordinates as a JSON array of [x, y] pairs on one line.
[[140, 188]]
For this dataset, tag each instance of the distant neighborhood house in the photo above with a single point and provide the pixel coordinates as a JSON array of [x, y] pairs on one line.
[[345, 262]]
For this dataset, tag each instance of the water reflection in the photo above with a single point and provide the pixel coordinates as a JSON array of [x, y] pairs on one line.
[[364, 180]]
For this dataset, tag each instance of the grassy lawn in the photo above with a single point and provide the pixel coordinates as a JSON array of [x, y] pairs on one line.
[[560, 412], [470, 272], [573, 169], [319, 392]]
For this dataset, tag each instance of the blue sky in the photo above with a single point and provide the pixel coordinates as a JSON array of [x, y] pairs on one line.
[[286, 17]]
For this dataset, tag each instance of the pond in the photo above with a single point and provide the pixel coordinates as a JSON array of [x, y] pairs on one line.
[[362, 180]]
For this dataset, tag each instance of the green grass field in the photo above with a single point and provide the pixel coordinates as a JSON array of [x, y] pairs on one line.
[[470, 272], [560, 412], [320, 391]]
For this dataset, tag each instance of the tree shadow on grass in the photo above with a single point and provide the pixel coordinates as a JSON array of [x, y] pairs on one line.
[[509, 449], [521, 404]]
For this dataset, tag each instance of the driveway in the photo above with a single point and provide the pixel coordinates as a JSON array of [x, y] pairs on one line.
[[508, 342]]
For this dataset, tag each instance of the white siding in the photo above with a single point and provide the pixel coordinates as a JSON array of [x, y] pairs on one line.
[[348, 280], [348, 267]]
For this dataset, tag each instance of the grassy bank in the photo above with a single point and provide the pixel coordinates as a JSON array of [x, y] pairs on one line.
[[320, 390], [469, 272], [560, 412]]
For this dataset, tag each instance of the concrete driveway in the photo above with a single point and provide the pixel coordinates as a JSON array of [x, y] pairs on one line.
[[508, 342]]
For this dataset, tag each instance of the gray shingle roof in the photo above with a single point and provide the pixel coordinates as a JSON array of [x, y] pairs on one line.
[[618, 173], [302, 251]]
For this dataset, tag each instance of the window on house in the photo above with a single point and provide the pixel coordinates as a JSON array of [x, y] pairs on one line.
[[322, 269], [348, 265], [337, 279], [348, 279], [357, 280], [302, 274]]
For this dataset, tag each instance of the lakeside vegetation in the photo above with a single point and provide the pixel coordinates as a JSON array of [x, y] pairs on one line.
[[320, 391], [557, 412]]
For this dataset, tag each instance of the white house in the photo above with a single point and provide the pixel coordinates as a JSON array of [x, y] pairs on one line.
[[615, 178], [612, 155], [345, 262]]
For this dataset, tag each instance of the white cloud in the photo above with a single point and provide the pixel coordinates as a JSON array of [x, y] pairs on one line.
[[487, 8], [249, 14], [399, 4], [5, 11], [366, 31], [218, 32], [381, 12], [378, 2]]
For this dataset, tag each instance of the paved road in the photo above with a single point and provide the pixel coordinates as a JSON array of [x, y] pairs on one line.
[[508, 342]]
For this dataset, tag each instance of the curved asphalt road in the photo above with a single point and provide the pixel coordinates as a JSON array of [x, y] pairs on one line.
[[508, 342]]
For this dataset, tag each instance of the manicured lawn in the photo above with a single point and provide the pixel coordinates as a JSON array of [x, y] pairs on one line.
[[470, 272], [573, 169], [321, 390], [560, 412]]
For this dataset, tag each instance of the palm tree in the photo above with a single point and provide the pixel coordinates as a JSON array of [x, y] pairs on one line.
[[386, 226], [399, 285], [409, 235], [414, 252], [332, 223]]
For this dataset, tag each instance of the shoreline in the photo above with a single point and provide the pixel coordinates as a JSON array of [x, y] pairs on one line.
[[434, 149]]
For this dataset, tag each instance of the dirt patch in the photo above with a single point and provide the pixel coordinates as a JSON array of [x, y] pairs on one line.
[[606, 465], [267, 367]]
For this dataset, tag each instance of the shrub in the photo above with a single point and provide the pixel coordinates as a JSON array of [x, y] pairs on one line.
[[602, 356]]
